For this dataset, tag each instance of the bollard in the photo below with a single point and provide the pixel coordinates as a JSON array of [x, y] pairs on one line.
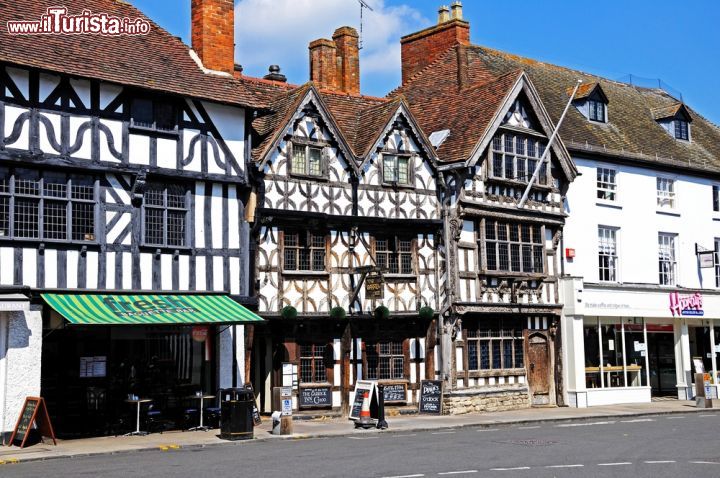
[[381, 424]]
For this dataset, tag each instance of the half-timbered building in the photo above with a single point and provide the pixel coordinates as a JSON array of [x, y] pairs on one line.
[[122, 172], [346, 195], [500, 335]]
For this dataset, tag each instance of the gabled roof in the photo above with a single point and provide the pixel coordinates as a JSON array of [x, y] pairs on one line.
[[671, 111], [473, 112], [156, 61], [631, 133], [358, 121]]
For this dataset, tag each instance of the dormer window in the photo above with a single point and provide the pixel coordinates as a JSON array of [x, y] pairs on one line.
[[597, 110], [675, 119], [681, 129], [591, 101]]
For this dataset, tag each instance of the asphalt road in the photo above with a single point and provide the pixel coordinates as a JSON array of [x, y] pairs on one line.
[[660, 446]]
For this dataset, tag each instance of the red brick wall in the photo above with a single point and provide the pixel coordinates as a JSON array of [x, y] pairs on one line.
[[213, 33], [348, 59], [422, 48]]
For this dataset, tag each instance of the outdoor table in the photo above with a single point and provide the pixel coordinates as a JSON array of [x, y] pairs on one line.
[[137, 426], [202, 398]]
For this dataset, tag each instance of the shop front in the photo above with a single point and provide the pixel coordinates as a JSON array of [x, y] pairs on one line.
[[633, 344], [103, 356], [321, 359]]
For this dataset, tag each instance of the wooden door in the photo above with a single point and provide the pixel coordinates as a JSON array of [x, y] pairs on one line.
[[538, 366]]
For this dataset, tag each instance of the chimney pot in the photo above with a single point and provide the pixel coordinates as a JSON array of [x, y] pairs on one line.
[[443, 14], [457, 13]]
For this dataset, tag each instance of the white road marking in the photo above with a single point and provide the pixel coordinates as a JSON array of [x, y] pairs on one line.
[[615, 464], [653, 462], [488, 429], [584, 424], [528, 428], [705, 462], [565, 466], [708, 415], [511, 469], [442, 433], [361, 438], [637, 420], [457, 472], [676, 416], [405, 476], [407, 435]]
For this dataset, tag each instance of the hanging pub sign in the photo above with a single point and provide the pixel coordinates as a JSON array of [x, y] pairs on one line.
[[706, 259], [374, 287], [686, 305]]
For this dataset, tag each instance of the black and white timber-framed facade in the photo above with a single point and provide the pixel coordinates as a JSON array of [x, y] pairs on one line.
[[117, 188]]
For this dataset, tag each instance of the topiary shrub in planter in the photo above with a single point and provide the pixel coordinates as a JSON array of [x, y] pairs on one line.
[[289, 312], [337, 313], [426, 312], [382, 312]]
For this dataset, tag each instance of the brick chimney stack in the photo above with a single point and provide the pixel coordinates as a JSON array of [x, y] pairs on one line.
[[335, 64], [213, 33], [348, 59], [323, 67], [422, 48]]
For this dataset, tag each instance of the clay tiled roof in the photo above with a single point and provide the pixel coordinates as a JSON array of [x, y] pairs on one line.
[[584, 90], [631, 133], [156, 61], [359, 120], [670, 111]]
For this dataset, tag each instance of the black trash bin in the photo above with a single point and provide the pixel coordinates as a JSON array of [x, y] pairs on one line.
[[236, 422]]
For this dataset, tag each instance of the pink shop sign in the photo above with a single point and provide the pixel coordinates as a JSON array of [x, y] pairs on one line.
[[686, 305]]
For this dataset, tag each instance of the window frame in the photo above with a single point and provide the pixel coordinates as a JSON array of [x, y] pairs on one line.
[[667, 276], [680, 132], [717, 262], [608, 271], [597, 106], [606, 184], [503, 150], [319, 352], [716, 197], [485, 242], [393, 356], [397, 155], [666, 197], [307, 145], [394, 246], [41, 199], [304, 243], [490, 336], [154, 104], [187, 237]]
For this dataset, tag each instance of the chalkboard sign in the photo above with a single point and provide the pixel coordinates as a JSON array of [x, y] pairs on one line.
[[255, 412], [361, 386], [35, 412], [315, 397], [395, 392], [431, 395]]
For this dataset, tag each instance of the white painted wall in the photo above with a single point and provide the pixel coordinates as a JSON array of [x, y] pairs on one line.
[[639, 220], [20, 359]]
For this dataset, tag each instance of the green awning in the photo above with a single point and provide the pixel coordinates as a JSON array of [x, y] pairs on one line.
[[91, 309]]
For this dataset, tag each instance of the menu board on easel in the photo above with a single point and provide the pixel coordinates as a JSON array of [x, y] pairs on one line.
[[34, 412]]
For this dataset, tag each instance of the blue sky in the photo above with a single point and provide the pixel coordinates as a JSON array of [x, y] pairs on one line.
[[676, 42]]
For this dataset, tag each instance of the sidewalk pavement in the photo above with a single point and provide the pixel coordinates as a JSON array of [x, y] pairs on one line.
[[334, 427]]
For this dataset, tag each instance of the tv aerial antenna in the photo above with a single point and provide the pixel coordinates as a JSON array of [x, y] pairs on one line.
[[363, 6]]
